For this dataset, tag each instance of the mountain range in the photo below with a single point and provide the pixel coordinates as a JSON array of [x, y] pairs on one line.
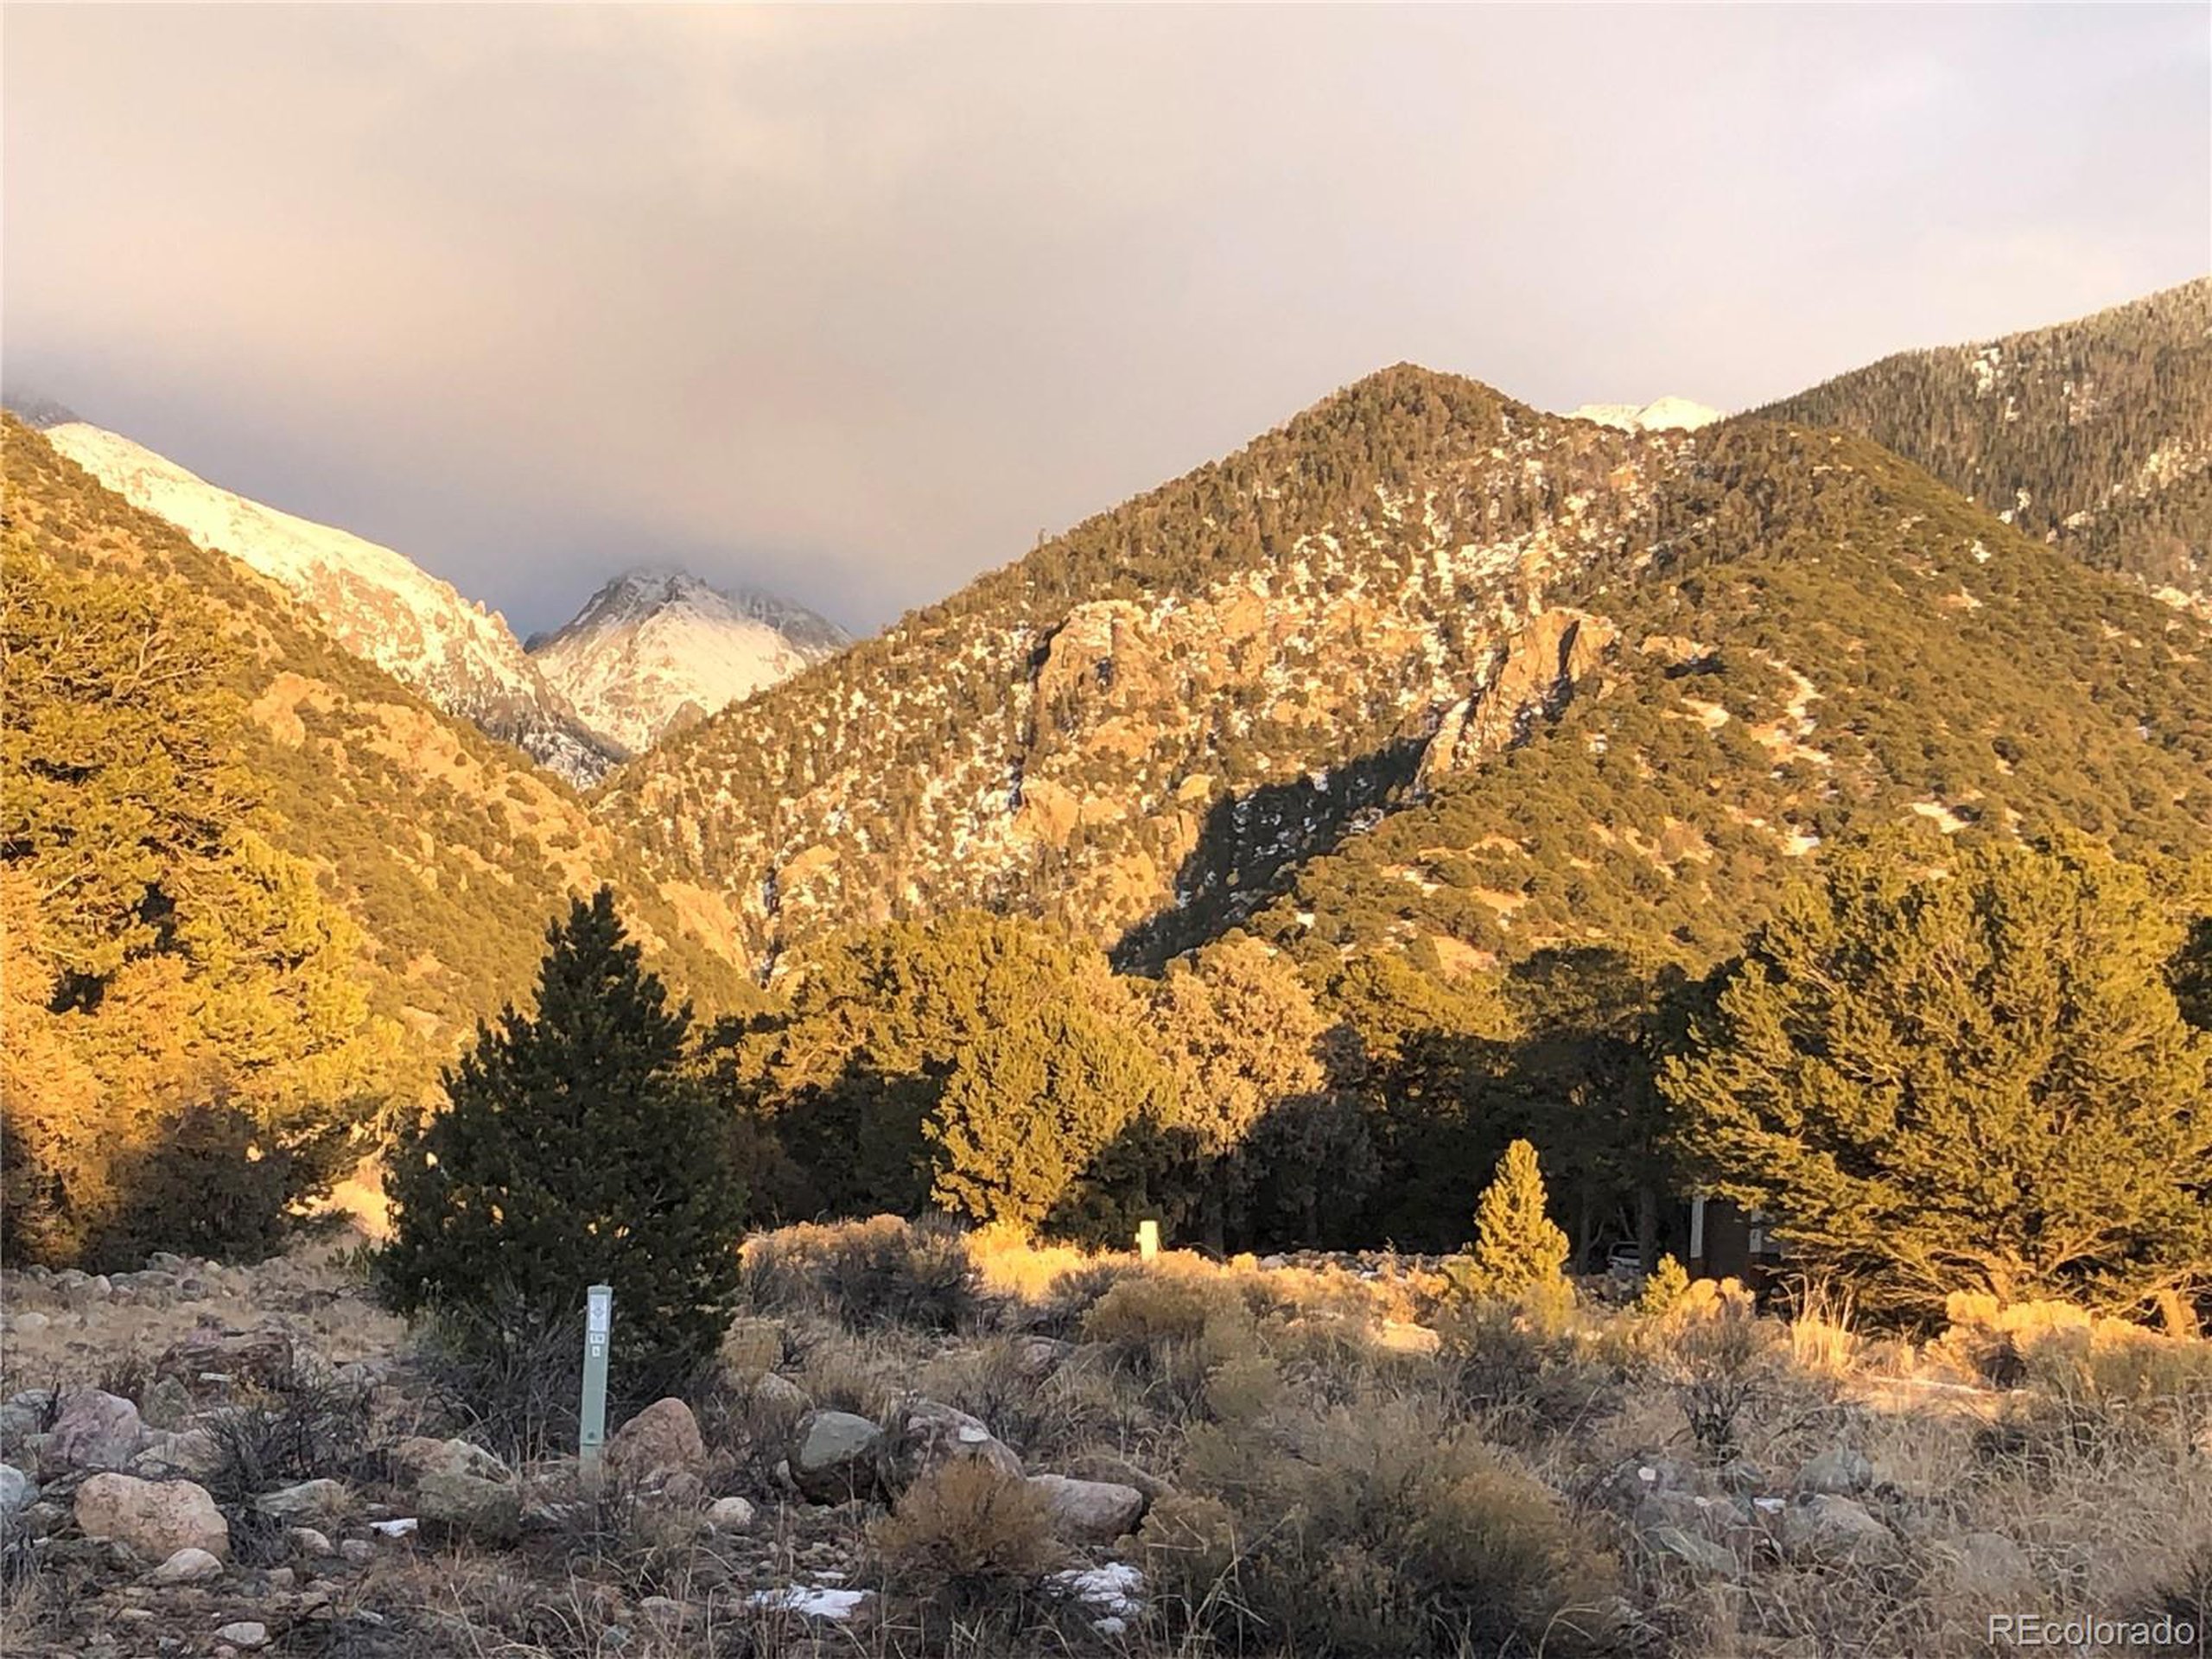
[[644, 653], [1425, 672]]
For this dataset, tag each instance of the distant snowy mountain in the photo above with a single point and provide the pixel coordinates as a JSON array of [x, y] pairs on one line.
[[1662, 415], [376, 603], [657, 648]]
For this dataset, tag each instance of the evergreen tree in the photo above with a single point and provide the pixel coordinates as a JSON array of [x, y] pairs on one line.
[[1970, 1078], [1517, 1247], [1031, 1105], [576, 1147]]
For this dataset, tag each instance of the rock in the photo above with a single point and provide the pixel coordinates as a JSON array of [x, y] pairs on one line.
[[418, 1456], [167, 1403], [308, 1498], [187, 1565], [1398, 1337], [245, 1634], [306, 1540], [1701, 1555], [358, 1551], [662, 1440], [835, 1456], [26, 1412], [1095, 1510], [1664, 1507], [1039, 1357], [18, 1491], [484, 1511], [95, 1431], [730, 1515], [211, 1359], [779, 1394], [1989, 1567], [931, 1434], [194, 1454], [1841, 1469], [28, 1323], [281, 1578], [154, 1518], [1829, 1527]]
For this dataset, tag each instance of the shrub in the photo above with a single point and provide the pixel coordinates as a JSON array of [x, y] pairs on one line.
[[1670, 1281], [969, 1540], [868, 1274], [1142, 1311], [1521, 1377], [510, 1374], [1372, 1529], [1721, 1360]]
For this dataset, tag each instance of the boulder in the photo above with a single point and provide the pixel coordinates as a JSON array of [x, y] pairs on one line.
[[418, 1455], [1090, 1510], [779, 1394], [192, 1454], [26, 1412], [246, 1633], [835, 1456], [482, 1511], [154, 1519], [18, 1491], [95, 1431], [1701, 1555], [1989, 1567], [1840, 1469], [308, 1541], [186, 1566], [309, 1500], [662, 1440], [730, 1515], [1039, 1357], [166, 1403], [931, 1434], [1831, 1528], [211, 1359]]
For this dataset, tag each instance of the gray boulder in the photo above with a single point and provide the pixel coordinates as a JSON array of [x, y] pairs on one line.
[[309, 1500], [1988, 1566], [930, 1434], [1840, 1469], [95, 1431], [483, 1511], [835, 1456], [418, 1455], [1699, 1553], [18, 1491], [1829, 1527]]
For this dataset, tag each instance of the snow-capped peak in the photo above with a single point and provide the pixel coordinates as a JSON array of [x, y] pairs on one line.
[[658, 647], [1661, 414], [376, 603]]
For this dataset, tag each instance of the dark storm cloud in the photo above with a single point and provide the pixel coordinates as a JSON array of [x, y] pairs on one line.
[[854, 302]]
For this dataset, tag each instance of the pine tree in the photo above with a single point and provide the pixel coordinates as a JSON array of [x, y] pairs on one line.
[[576, 1147], [1518, 1246], [1968, 1078]]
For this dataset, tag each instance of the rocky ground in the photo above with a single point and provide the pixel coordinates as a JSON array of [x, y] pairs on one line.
[[1039, 1454]]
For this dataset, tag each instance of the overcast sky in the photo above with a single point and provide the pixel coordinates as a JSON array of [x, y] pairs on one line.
[[852, 303]]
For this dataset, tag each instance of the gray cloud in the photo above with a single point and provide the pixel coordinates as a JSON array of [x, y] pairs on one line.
[[854, 302]]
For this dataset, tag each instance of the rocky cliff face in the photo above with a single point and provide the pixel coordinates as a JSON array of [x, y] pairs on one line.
[[376, 603]]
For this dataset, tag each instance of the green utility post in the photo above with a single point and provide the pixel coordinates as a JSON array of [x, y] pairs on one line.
[[599, 1327]]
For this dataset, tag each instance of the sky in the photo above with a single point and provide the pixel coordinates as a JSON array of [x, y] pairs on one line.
[[853, 303]]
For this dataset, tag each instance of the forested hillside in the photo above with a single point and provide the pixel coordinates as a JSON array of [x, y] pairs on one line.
[[448, 850], [2094, 434], [1169, 704], [1826, 639]]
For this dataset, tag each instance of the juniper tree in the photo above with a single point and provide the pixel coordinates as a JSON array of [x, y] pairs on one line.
[[1518, 1246], [1970, 1078], [576, 1147]]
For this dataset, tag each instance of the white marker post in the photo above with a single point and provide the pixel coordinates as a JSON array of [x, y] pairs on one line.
[[591, 1434]]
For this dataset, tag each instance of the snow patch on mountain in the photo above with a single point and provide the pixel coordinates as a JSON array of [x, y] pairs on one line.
[[658, 648], [1661, 414], [375, 603]]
